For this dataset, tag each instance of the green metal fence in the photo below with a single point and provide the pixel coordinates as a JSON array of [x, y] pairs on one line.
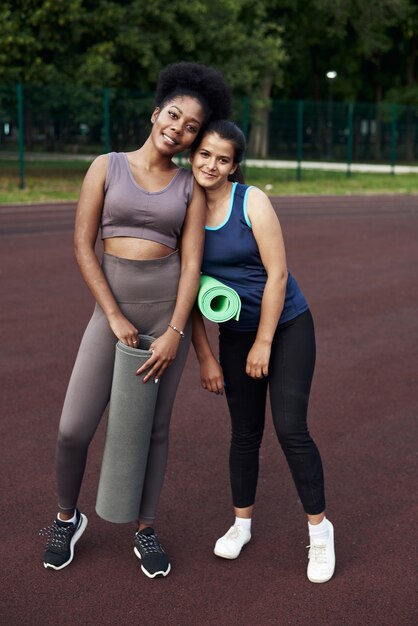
[[74, 120], [343, 132]]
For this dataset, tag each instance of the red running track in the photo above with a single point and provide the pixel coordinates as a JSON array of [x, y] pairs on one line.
[[356, 259]]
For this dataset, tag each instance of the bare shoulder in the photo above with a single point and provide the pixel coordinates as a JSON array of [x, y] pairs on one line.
[[99, 164], [258, 204], [96, 173], [257, 194]]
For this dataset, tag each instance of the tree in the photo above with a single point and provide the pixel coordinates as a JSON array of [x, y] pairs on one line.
[[241, 38], [125, 44], [265, 48], [36, 38]]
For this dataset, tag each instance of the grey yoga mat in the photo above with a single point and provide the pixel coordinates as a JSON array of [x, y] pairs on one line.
[[131, 414]]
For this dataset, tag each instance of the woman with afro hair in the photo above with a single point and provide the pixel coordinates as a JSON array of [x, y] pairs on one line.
[[151, 215]]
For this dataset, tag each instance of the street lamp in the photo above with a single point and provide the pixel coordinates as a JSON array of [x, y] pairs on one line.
[[331, 76]]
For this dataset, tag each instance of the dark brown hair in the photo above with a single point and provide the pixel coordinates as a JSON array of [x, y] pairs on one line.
[[232, 133]]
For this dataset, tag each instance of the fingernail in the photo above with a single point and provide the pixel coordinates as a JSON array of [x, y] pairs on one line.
[[156, 380]]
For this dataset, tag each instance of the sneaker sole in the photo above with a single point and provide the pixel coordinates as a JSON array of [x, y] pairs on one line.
[[160, 574], [228, 556], [76, 537], [323, 580]]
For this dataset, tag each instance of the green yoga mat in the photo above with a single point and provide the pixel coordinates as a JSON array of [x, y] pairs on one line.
[[129, 426], [216, 301]]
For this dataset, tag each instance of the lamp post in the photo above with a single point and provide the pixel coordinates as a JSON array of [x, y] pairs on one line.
[[331, 76]]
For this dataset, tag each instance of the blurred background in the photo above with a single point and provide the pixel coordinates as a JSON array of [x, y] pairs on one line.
[[332, 82], [326, 92]]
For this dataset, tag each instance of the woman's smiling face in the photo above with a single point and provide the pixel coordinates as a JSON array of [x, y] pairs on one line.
[[177, 124], [213, 161]]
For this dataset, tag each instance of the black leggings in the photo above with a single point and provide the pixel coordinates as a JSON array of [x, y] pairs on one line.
[[291, 369]]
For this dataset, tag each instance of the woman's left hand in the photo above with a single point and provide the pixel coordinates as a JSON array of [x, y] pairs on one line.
[[164, 352], [258, 360]]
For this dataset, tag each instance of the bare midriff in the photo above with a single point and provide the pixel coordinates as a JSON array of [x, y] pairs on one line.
[[135, 249]]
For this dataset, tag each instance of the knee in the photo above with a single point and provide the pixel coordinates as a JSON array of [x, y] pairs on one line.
[[291, 438], [160, 431], [72, 440], [246, 442]]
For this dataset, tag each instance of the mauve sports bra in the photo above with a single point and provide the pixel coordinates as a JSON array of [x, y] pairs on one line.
[[130, 211]]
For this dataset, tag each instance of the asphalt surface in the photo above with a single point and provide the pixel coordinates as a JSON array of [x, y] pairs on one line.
[[356, 259]]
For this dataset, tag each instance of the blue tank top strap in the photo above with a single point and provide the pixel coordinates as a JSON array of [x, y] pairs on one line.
[[238, 204]]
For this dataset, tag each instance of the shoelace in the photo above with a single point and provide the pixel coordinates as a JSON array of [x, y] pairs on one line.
[[317, 552], [58, 536], [149, 544], [233, 533]]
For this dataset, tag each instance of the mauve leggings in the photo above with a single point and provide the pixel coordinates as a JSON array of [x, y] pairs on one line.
[[146, 292], [291, 369]]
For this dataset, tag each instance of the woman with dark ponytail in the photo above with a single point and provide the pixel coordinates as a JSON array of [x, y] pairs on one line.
[[151, 215], [271, 346]]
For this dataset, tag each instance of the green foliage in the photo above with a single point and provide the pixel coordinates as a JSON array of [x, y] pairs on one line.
[[372, 46], [125, 44], [37, 37], [280, 48]]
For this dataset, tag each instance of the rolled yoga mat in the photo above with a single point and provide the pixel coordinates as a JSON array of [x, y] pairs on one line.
[[129, 426], [216, 301]]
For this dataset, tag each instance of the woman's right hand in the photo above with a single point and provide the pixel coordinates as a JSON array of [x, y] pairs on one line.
[[211, 376], [123, 329]]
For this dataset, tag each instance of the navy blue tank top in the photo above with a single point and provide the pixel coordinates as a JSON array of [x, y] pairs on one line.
[[231, 255]]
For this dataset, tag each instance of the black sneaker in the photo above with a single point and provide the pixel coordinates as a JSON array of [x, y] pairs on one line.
[[62, 537], [154, 561]]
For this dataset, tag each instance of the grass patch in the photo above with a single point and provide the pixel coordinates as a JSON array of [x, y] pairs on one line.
[[45, 181], [48, 181], [318, 182]]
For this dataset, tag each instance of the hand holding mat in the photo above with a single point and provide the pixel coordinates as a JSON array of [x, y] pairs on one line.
[[129, 426], [216, 301]]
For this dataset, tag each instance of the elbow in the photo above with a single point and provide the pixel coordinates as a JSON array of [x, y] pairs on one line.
[[82, 249], [79, 249], [278, 280], [280, 277], [283, 279], [191, 268], [76, 245]]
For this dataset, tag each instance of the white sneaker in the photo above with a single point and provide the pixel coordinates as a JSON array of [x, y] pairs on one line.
[[321, 557], [230, 545]]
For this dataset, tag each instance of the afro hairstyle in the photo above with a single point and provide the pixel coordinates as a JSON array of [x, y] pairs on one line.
[[204, 83]]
